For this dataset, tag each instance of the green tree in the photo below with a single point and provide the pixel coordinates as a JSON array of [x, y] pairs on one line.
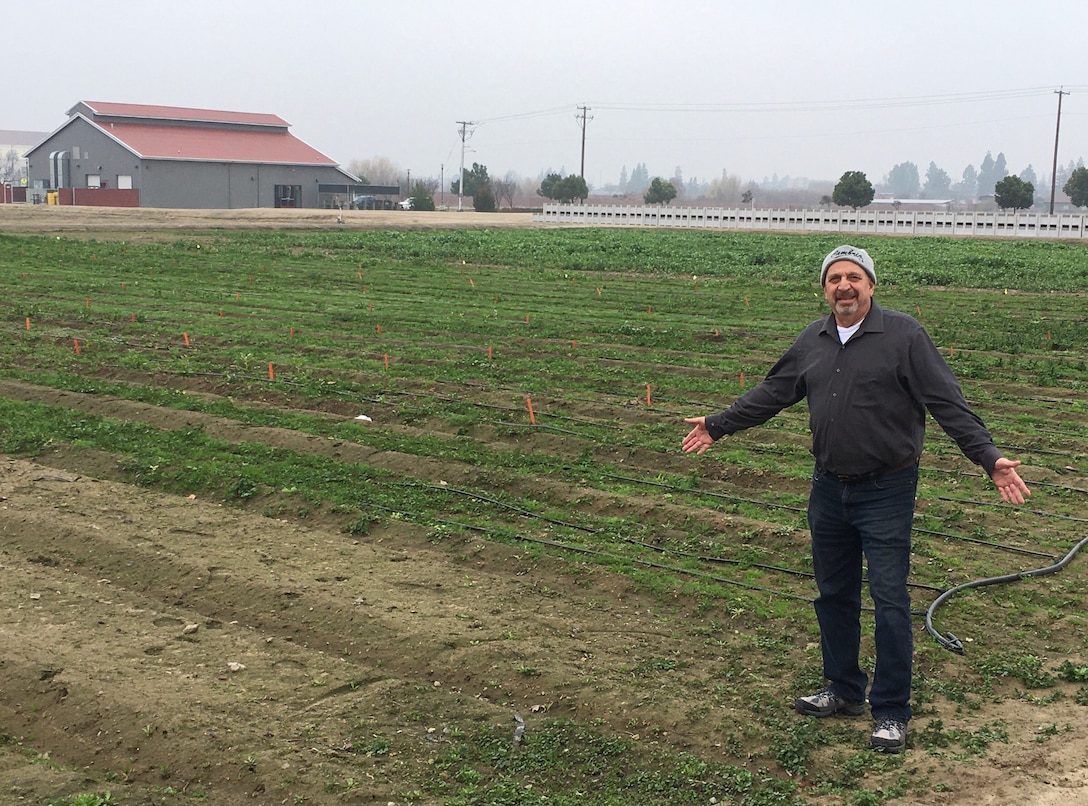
[[1013, 193], [1077, 187], [547, 186], [853, 190], [421, 197], [562, 189], [969, 185], [483, 200], [474, 178], [571, 188], [938, 184], [903, 181], [660, 192], [639, 180], [990, 173]]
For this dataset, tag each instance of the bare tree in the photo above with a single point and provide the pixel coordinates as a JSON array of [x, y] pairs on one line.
[[376, 171], [505, 188], [528, 185], [726, 190], [10, 170]]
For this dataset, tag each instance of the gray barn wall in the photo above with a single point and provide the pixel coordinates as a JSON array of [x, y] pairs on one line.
[[98, 154], [227, 185]]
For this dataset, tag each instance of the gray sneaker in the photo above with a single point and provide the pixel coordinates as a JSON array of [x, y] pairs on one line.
[[826, 703], [889, 736]]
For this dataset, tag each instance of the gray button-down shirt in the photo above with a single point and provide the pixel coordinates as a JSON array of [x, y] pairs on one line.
[[867, 398]]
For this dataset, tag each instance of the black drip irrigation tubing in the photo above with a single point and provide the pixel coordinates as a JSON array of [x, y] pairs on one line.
[[607, 556], [648, 546], [980, 542], [787, 507], [1042, 512], [950, 641]]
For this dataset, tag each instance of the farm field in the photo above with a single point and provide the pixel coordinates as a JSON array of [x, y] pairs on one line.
[[394, 511]]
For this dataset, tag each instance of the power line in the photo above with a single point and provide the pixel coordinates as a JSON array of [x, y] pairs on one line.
[[833, 105]]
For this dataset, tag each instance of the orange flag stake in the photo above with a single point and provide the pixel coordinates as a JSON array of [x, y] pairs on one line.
[[385, 356], [75, 343], [529, 404], [271, 372], [186, 337], [742, 380], [28, 323], [648, 403]]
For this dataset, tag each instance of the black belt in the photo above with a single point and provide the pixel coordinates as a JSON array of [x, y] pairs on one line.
[[851, 478]]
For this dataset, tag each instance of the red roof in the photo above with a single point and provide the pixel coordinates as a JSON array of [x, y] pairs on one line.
[[156, 141], [146, 111], [210, 135]]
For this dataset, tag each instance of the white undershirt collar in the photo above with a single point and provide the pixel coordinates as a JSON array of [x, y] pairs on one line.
[[846, 332]]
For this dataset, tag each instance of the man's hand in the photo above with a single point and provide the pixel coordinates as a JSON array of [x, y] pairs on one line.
[[698, 438], [1008, 481]]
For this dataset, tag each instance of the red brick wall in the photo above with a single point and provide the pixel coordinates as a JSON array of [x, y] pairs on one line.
[[99, 197]]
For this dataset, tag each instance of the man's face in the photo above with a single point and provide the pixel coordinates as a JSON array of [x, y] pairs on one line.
[[849, 292]]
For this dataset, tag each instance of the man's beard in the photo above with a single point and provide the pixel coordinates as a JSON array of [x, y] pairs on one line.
[[846, 304]]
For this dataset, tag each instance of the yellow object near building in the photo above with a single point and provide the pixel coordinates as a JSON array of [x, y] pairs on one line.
[[52, 197]]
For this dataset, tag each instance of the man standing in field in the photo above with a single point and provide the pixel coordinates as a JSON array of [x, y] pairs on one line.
[[869, 375]]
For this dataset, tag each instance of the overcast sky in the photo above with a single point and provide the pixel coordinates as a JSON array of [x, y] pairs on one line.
[[799, 88]]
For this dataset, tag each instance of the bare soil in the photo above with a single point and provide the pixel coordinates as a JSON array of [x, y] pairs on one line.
[[135, 223], [153, 644]]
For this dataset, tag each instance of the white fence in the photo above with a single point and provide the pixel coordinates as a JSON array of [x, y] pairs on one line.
[[871, 222]]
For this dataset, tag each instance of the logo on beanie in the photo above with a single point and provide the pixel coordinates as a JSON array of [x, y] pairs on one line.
[[854, 255], [849, 253]]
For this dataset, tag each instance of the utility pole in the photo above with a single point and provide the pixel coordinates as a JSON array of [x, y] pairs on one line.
[[583, 119], [461, 183], [1054, 166]]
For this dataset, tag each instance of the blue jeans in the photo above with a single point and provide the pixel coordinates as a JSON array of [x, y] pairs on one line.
[[849, 520]]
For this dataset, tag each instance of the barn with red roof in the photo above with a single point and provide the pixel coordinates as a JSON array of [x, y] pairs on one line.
[[139, 155]]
